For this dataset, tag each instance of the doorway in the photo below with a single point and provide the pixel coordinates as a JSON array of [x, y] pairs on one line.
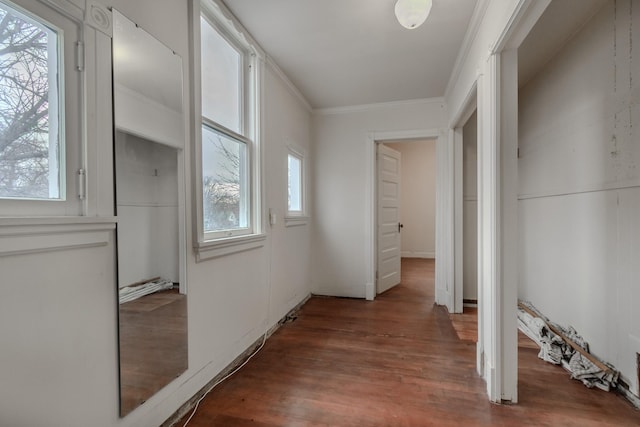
[[405, 206]]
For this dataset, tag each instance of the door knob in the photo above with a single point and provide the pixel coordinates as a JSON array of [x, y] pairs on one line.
[[400, 225]]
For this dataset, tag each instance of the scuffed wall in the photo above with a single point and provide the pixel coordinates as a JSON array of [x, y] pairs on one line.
[[580, 187]]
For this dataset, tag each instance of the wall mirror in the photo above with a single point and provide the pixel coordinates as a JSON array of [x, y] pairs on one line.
[[148, 144]]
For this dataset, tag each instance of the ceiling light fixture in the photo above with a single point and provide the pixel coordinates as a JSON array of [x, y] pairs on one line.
[[412, 13]]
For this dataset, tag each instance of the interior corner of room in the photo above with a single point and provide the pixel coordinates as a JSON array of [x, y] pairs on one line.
[[512, 171]]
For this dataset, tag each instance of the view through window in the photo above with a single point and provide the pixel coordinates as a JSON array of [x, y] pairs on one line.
[[225, 141], [295, 184], [30, 144]]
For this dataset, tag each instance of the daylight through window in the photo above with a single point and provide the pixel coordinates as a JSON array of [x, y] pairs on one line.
[[31, 149], [227, 139], [224, 182], [295, 184]]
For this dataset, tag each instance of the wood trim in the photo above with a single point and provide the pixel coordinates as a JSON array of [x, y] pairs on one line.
[[377, 106], [223, 247], [522, 18], [467, 43], [31, 239], [566, 339], [370, 219]]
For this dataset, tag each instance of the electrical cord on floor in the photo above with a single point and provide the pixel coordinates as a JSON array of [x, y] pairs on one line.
[[264, 339]]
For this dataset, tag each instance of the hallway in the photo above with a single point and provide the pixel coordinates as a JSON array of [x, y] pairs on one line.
[[396, 361]]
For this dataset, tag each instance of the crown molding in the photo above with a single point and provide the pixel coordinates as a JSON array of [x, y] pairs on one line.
[[232, 25], [469, 38], [376, 106], [288, 83]]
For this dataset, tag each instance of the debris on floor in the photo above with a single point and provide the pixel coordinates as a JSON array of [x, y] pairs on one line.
[[291, 317], [145, 287], [563, 346]]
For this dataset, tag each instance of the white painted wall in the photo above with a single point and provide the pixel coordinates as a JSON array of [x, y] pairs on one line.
[[580, 188], [494, 16], [342, 205], [58, 323], [140, 115], [470, 208], [147, 204], [483, 68], [418, 198]]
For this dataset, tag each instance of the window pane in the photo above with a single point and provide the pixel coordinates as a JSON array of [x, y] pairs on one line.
[[221, 83], [295, 184], [225, 182], [29, 137]]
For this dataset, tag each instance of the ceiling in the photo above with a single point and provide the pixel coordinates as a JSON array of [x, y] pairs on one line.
[[353, 52], [561, 20]]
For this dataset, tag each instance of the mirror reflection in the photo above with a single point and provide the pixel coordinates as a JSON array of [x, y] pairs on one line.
[[149, 137]]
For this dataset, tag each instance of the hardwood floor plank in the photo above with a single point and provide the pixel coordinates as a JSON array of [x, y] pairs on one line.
[[397, 361], [153, 345]]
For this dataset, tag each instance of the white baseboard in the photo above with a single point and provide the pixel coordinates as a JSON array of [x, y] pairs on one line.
[[369, 291], [416, 254]]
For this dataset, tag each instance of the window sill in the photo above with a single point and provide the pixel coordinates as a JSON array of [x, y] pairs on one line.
[[293, 221], [231, 245]]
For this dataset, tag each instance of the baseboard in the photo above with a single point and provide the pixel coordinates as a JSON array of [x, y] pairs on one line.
[[469, 302], [190, 404], [623, 389], [414, 254], [369, 291]]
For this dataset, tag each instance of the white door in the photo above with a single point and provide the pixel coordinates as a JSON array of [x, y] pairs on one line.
[[388, 273]]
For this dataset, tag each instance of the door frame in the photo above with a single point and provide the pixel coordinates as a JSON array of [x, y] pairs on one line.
[[370, 218], [496, 88]]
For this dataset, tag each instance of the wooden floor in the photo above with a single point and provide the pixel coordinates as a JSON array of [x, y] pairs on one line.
[[153, 345], [396, 361]]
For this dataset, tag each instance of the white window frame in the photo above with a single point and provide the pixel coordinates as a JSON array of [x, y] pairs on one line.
[[299, 217], [69, 119], [219, 243]]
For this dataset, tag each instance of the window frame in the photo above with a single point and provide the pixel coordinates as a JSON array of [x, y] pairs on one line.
[[213, 244], [68, 109], [244, 164], [297, 217]]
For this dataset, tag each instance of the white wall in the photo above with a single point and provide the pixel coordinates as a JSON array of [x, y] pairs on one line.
[[342, 205], [580, 188], [234, 299], [58, 311], [147, 205], [494, 16], [418, 198], [485, 68], [470, 209]]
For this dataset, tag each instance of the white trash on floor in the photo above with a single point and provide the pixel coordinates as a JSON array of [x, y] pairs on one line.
[[563, 346]]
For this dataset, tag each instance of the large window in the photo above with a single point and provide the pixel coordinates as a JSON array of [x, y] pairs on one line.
[[31, 146], [228, 140]]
